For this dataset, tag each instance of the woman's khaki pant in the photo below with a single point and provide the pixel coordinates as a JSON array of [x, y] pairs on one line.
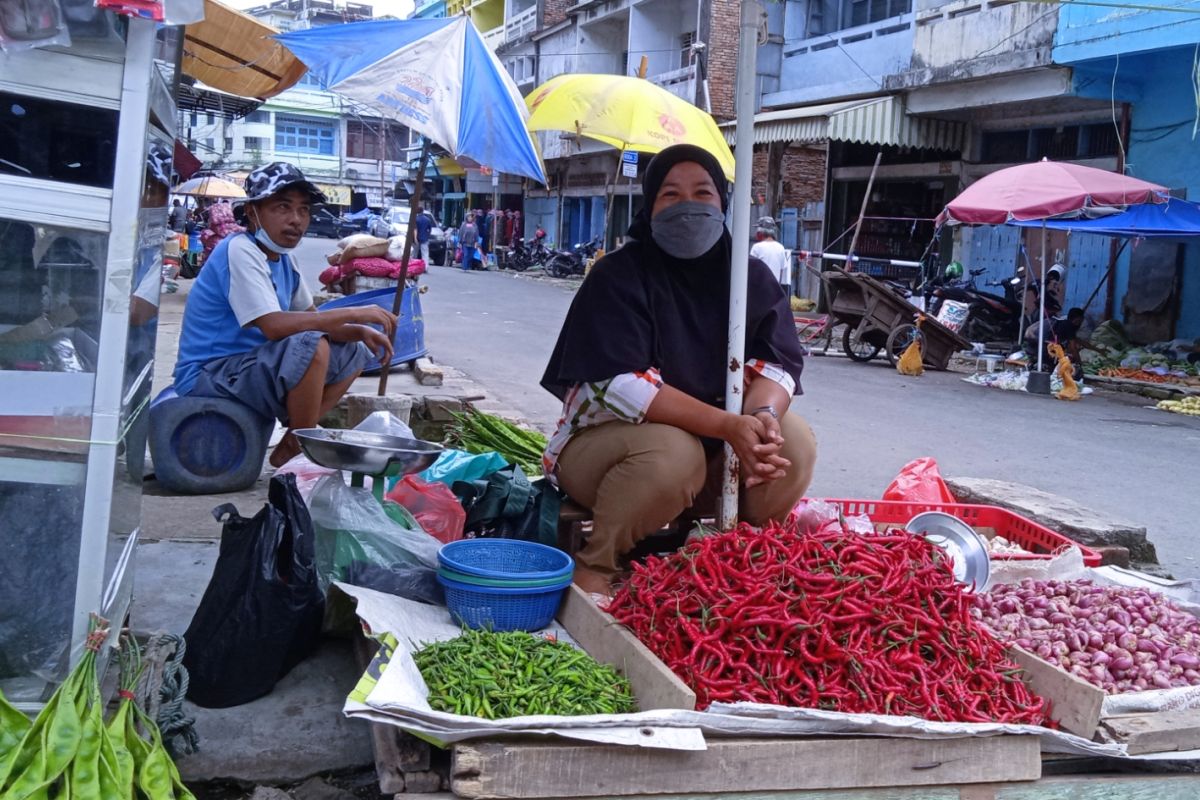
[[638, 478]]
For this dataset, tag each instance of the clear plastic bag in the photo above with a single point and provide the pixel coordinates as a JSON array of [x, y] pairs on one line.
[[26, 24], [385, 423], [352, 527]]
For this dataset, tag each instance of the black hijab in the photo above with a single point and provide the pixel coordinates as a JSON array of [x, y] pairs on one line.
[[641, 308]]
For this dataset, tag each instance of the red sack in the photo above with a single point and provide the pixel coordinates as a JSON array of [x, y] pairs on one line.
[[434, 506], [919, 482]]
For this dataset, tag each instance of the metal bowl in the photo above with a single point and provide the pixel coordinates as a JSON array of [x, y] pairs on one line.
[[966, 548], [370, 453]]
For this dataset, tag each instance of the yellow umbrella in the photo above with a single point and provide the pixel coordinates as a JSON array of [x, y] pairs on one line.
[[625, 112], [209, 186]]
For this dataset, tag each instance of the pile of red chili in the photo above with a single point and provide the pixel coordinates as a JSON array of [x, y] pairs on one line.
[[829, 619]]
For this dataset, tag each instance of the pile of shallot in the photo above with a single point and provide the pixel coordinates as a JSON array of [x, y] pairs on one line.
[[1118, 638]]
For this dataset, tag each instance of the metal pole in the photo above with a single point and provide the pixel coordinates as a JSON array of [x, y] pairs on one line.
[[1042, 302], [414, 203], [851, 254], [740, 267], [629, 220]]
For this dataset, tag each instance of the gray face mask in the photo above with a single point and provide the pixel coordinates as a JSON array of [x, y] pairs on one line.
[[687, 230]]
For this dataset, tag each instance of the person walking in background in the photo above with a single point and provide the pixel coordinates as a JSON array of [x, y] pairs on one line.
[[424, 228], [772, 253], [468, 240], [508, 228], [483, 223], [518, 231]]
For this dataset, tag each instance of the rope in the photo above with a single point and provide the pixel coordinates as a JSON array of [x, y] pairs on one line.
[[173, 722]]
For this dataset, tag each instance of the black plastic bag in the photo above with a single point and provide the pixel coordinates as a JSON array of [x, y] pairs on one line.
[[261, 613]]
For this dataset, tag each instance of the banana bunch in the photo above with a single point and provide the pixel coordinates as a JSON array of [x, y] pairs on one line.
[[1189, 406]]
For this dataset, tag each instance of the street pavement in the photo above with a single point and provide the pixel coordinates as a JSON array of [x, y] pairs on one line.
[[1108, 451]]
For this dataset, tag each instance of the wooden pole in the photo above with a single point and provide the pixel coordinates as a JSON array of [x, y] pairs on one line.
[[851, 253], [410, 237]]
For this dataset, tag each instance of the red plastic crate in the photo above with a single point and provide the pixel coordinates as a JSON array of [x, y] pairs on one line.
[[1038, 539]]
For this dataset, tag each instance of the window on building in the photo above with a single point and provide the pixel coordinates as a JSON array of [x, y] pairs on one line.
[[259, 143], [209, 119], [1005, 147], [311, 81], [1061, 143], [363, 140], [301, 135], [228, 144], [193, 119], [828, 16], [685, 48], [258, 117], [210, 144]]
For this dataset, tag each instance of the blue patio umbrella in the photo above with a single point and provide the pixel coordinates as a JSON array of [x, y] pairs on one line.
[[434, 75]]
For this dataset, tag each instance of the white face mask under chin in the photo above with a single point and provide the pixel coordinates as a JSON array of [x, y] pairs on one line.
[[261, 236]]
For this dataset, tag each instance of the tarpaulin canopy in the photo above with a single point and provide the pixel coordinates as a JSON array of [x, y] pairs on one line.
[[234, 52], [1172, 219], [1046, 189]]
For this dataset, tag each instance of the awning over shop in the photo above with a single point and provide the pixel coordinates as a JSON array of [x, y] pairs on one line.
[[202, 99], [884, 121], [335, 193], [234, 52], [880, 121]]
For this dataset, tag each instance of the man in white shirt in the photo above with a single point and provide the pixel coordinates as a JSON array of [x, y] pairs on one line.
[[772, 253]]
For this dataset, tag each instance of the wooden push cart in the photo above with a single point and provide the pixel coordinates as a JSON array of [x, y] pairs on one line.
[[878, 318]]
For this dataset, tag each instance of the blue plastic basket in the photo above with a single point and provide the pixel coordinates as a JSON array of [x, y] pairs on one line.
[[495, 609], [505, 558]]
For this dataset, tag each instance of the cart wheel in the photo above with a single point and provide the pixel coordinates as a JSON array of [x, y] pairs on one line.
[[900, 338], [857, 348]]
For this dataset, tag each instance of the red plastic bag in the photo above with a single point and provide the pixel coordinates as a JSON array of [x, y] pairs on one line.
[[919, 482], [435, 507]]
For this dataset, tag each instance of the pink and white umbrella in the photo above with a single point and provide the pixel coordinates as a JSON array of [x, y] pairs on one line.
[[1047, 190]]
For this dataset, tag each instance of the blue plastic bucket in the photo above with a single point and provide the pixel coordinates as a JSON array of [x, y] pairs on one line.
[[409, 342]]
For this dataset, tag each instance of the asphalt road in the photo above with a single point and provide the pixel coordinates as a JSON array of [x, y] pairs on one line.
[[1108, 451]]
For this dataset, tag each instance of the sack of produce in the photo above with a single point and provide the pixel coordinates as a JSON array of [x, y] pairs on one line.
[[261, 613], [507, 505]]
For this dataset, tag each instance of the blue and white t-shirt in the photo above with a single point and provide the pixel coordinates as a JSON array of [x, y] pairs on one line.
[[237, 285]]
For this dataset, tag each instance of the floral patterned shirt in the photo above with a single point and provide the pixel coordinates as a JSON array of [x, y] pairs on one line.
[[626, 398]]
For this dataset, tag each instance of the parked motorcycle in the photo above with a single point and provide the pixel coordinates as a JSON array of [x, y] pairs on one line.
[[990, 317], [525, 254], [566, 263]]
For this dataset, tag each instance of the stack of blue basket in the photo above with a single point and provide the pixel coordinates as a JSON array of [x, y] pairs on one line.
[[503, 584]]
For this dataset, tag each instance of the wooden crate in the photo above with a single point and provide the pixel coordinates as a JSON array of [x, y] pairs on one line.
[[542, 769], [610, 642]]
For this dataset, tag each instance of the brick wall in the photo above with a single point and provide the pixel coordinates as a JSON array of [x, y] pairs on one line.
[[554, 12], [722, 55], [803, 176]]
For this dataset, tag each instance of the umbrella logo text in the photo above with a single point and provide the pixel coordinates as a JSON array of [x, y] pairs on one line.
[[671, 125]]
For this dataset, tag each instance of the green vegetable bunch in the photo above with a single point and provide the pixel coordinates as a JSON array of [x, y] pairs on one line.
[[69, 752], [501, 675], [479, 432]]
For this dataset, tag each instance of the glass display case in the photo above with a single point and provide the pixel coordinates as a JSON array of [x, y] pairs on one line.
[[86, 139]]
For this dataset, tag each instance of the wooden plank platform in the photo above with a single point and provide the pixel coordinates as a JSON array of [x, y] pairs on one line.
[[609, 642], [1075, 703], [545, 769], [1160, 732]]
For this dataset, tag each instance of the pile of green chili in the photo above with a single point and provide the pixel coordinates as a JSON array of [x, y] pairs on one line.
[[69, 751], [501, 675]]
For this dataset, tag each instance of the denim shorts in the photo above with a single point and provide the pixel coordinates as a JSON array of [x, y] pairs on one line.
[[261, 378]]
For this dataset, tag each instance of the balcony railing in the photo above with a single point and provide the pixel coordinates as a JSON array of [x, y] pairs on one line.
[[520, 25], [494, 38], [679, 82]]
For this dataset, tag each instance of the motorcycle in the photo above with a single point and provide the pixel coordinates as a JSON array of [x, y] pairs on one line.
[[990, 317], [574, 262], [525, 254]]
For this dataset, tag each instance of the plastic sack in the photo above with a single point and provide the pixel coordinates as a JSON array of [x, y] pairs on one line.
[[385, 423], [453, 466], [261, 613], [32, 23], [308, 474], [353, 529], [919, 482], [435, 507], [953, 314], [506, 505]]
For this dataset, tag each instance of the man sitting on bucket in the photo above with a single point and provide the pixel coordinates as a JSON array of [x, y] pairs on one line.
[[250, 330]]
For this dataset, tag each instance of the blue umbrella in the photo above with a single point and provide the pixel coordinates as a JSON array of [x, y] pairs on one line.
[[1173, 219], [434, 75]]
